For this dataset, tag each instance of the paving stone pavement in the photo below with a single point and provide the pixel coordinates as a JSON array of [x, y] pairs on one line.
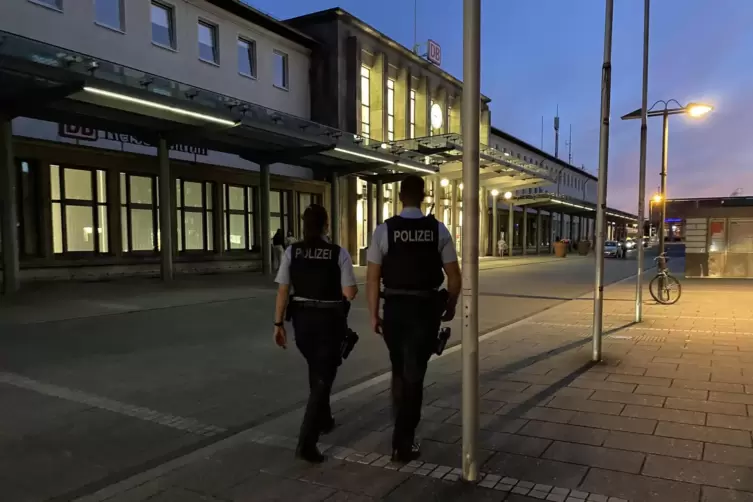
[[666, 416]]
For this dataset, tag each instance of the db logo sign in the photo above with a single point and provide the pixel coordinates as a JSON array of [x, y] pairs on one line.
[[78, 132], [434, 53]]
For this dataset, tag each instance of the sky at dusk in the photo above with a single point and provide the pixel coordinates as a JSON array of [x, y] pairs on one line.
[[537, 54]]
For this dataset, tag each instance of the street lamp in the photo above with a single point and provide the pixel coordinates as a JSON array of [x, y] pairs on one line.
[[508, 195], [694, 110], [444, 183], [495, 192]]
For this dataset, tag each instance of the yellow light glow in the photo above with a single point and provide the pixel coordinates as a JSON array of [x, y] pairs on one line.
[[460, 186], [698, 109], [657, 198], [495, 192], [444, 182], [508, 195]]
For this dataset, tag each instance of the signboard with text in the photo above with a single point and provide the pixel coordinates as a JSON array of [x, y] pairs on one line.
[[434, 53], [90, 134]]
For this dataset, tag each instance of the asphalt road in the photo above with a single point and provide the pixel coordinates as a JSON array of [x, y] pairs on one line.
[[212, 362]]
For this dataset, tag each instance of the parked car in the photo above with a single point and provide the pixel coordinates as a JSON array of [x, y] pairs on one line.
[[613, 249]]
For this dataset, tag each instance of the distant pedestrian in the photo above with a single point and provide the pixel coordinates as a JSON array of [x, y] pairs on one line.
[[290, 239]]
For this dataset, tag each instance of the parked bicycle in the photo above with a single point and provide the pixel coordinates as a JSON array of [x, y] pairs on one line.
[[664, 287]]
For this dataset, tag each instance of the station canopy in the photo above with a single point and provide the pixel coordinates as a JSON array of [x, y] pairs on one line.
[[554, 203], [46, 82], [498, 170]]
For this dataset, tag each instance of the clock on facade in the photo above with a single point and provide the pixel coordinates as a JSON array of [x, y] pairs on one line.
[[436, 116]]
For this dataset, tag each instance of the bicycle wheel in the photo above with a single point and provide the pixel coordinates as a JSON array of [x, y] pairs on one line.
[[655, 288], [672, 290]]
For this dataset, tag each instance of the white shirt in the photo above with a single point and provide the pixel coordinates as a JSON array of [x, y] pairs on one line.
[[380, 240], [347, 275]]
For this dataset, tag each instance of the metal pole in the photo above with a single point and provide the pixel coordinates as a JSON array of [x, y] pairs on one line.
[[266, 239], [379, 202], [334, 227], [8, 210], [524, 233], [454, 209], [663, 202], [642, 168], [601, 207], [166, 214], [471, 133], [495, 226], [369, 212], [538, 231]]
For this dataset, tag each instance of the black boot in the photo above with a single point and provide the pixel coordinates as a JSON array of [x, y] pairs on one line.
[[327, 426], [404, 455], [310, 454]]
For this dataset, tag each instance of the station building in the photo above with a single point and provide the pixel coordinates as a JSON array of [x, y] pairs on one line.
[[250, 119]]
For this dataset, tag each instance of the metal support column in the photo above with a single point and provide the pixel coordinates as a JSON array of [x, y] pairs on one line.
[[524, 240], [369, 212], [334, 226], [663, 203], [166, 211], [471, 133], [495, 225], [550, 229], [11, 265], [510, 228], [483, 198], [379, 202], [266, 238], [538, 231], [601, 206], [571, 232], [454, 216], [395, 199], [562, 226]]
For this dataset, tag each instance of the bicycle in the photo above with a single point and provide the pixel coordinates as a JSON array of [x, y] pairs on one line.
[[663, 285]]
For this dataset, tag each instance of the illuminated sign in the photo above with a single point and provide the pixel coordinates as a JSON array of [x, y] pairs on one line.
[[434, 53]]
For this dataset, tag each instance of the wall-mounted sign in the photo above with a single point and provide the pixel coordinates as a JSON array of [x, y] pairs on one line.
[[91, 134], [437, 118], [434, 53]]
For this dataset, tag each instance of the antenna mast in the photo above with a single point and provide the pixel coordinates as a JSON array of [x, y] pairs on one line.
[[542, 133], [570, 146], [557, 133], [415, 26]]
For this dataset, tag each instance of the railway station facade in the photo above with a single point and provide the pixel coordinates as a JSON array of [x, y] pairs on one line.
[[250, 119]]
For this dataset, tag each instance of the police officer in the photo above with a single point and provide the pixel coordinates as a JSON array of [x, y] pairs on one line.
[[408, 254], [320, 274]]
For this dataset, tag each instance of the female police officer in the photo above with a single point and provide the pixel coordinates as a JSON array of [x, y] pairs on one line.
[[320, 274]]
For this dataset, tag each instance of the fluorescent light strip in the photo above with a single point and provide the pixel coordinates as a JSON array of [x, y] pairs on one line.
[[572, 205], [159, 106], [385, 161]]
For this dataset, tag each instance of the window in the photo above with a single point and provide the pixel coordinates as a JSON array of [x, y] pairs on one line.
[[79, 210], [281, 69], [208, 42], [55, 4], [139, 209], [194, 207], [390, 110], [239, 217], [412, 113], [365, 102], [279, 204], [109, 13], [247, 57], [163, 25], [304, 201]]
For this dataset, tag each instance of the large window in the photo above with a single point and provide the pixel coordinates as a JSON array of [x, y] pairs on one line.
[[79, 210], [279, 209], [304, 201], [208, 42], [109, 13], [365, 102], [163, 25], [194, 207], [139, 213], [239, 217], [390, 110], [247, 57], [412, 113], [281, 76]]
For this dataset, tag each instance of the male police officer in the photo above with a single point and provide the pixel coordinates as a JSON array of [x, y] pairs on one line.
[[408, 253], [321, 274]]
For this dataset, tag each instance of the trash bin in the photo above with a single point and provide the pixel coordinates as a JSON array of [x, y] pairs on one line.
[[560, 249]]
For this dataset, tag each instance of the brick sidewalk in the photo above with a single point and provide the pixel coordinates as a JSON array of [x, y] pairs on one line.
[[666, 417]]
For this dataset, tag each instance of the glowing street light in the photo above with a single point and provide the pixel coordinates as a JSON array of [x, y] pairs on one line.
[[495, 192], [657, 198], [698, 109], [444, 182], [508, 195]]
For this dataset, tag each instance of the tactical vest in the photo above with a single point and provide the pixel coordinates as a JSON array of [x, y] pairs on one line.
[[315, 271], [413, 259]]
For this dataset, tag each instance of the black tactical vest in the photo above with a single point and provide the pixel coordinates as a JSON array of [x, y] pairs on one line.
[[413, 259], [315, 271]]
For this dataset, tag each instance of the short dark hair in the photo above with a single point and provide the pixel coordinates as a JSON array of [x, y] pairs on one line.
[[412, 191], [314, 221]]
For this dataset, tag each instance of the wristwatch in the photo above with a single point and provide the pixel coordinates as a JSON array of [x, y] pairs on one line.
[[279, 324]]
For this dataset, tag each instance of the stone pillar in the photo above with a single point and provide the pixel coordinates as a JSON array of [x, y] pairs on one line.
[[455, 223], [266, 239], [562, 225], [335, 216], [395, 199], [510, 228], [378, 95], [166, 211], [483, 234], [572, 227], [538, 231], [423, 99], [551, 231], [369, 212], [402, 104], [495, 226], [379, 202], [525, 231], [11, 261]]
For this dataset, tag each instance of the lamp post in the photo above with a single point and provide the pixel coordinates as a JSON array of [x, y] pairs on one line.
[[510, 223], [654, 200], [695, 110]]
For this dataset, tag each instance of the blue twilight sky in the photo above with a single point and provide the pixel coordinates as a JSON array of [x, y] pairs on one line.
[[536, 54]]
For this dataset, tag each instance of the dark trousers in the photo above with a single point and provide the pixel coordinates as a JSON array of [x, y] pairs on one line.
[[318, 335], [410, 331]]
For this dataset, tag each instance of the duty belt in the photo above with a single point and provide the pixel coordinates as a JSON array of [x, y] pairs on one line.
[[422, 293], [318, 304]]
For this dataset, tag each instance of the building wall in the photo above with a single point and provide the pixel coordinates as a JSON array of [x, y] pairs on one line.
[[74, 28]]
